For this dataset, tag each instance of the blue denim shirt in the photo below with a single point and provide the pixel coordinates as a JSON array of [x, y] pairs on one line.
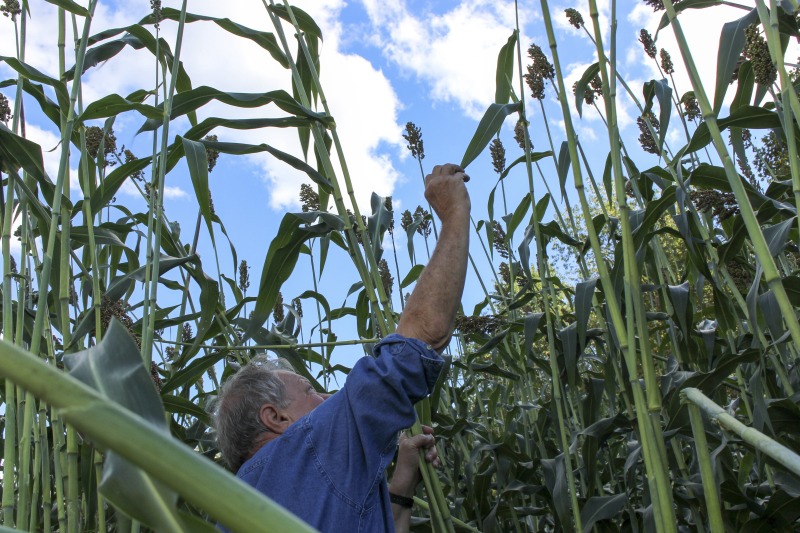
[[329, 466]]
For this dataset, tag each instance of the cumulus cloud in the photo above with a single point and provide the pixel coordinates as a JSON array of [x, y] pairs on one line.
[[362, 100], [454, 53]]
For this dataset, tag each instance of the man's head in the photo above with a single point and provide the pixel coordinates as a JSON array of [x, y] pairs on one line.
[[259, 403]]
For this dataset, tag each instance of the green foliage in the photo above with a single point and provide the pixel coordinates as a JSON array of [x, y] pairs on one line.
[[565, 403]]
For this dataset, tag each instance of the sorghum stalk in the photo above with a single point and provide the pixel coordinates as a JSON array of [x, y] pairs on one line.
[[369, 276], [788, 93], [44, 445], [155, 216], [652, 442], [33, 515], [545, 296], [753, 437], [706, 471], [771, 274], [24, 466], [63, 170], [646, 431]]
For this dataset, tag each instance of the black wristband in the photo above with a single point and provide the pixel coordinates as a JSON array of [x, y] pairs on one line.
[[402, 501]]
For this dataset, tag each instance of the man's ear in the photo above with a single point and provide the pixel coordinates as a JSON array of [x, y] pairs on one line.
[[273, 418]]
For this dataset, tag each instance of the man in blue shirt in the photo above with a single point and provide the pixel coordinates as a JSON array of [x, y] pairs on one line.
[[324, 457]]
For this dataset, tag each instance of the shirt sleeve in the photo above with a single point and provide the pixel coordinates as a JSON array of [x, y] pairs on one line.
[[355, 430]]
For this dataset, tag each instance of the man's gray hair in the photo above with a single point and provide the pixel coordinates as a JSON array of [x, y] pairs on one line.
[[236, 411]]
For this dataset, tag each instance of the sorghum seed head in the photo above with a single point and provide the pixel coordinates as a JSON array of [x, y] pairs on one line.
[[645, 139], [95, 136], [483, 324], [129, 158], [657, 5], [498, 155], [298, 306], [155, 5], [539, 70], [309, 198], [117, 308], [505, 273], [574, 17], [386, 277], [387, 204], [13, 264], [277, 312], [519, 134], [666, 62], [757, 51], [406, 220], [10, 8], [244, 276], [594, 90], [690, 106], [187, 333], [211, 154], [413, 136], [156, 377], [5, 109], [424, 227], [647, 42], [499, 240]]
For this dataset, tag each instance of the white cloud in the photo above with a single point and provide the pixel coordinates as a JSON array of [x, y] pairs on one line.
[[174, 192], [367, 125], [455, 53]]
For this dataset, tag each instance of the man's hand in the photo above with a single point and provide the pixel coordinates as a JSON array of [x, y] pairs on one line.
[[446, 192], [406, 473]]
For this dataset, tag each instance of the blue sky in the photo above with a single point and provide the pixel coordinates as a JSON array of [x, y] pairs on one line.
[[384, 63]]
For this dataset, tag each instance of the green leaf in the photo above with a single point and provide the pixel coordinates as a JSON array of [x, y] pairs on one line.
[[663, 93], [69, 5], [16, 151], [28, 72], [412, 276], [564, 162], [299, 164], [519, 214], [265, 40], [745, 83], [731, 43], [197, 160], [743, 117], [487, 128], [505, 70], [599, 508], [584, 291], [583, 86], [114, 104], [304, 20], [777, 235], [114, 368], [686, 4], [180, 405], [191, 100], [535, 156], [294, 230]]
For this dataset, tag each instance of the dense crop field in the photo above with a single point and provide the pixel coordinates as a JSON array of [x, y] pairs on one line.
[[632, 364]]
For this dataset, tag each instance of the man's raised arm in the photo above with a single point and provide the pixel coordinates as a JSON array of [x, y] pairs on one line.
[[431, 309]]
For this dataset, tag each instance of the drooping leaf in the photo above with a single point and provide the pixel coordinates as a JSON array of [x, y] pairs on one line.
[[599, 508], [583, 86], [663, 93], [114, 368], [487, 128], [282, 256], [731, 44]]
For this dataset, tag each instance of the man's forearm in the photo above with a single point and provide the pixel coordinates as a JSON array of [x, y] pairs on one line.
[[432, 306]]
